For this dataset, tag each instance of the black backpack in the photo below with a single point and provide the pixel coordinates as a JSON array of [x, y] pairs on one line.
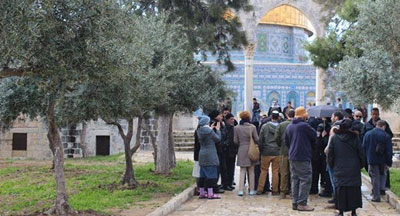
[[380, 149]]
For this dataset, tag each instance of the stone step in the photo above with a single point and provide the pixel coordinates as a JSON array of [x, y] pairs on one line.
[[184, 148], [396, 135], [191, 132], [184, 144], [184, 139]]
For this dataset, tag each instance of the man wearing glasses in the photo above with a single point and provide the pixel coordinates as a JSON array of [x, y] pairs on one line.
[[357, 124]]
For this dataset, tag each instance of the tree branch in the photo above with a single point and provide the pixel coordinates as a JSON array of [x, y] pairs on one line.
[[152, 136], [12, 72], [121, 131], [138, 132]]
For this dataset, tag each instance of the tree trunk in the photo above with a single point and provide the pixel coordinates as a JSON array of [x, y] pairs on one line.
[[153, 140], [129, 176], [61, 206], [83, 140], [171, 145], [163, 158], [138, 132]]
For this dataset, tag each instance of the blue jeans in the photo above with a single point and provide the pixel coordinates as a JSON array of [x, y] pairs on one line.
[[331, 177], [256, 117]]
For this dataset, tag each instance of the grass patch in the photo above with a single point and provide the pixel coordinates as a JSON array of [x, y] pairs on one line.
[[91, 186], [394, 180]]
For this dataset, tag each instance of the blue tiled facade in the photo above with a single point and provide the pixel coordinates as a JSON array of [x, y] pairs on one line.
[[280, 70]]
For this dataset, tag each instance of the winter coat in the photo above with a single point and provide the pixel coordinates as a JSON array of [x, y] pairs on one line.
[[280, 137], [267, 143], [227, 142], [371, 139], [218, 145], [242, 139], [300, 139], [196, 146], [370, 125], [358, 126], [208, 153], [346, 157]]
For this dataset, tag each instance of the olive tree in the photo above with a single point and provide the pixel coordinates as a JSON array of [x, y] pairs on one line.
[[48, 48]]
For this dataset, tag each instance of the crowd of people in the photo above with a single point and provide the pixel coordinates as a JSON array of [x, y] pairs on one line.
[[304, 154]]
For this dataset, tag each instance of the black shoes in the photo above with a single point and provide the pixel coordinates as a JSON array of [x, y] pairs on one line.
[[219, 190], [383, 193], [313, 192], [325, 194], [376, 200], [332, 201], [294, 206], [229, 188]]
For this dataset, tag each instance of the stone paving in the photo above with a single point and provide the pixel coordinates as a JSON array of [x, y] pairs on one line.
[[232, 205]]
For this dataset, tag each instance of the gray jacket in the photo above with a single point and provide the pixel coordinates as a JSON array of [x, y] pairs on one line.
[[208, 152], [267, 144]]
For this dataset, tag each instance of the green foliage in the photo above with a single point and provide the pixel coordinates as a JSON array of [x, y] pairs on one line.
[[57, 45], [204, 23], [158, 73], [326, 52], [91, 184], [374, 76], [363, 49]]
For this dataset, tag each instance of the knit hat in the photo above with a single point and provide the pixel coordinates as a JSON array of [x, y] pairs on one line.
[[229, 115], [346, 124], [214, 114], [300, 112], [203, 120]]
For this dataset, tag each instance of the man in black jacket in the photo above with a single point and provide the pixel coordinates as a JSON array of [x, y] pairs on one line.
[[230, 150]]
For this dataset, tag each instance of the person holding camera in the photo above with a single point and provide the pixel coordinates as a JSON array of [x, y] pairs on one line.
[[208, 158]]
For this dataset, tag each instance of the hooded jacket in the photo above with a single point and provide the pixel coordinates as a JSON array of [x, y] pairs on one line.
[[346, 157], [208, 152], [300, 138], [267, 143]]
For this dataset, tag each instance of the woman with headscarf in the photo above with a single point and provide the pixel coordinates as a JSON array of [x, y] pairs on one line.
[[242, 134], [208, 158], [346, 157]]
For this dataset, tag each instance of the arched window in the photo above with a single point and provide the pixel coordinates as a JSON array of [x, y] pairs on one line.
[[294, 98], [273, 96], [310, 98]]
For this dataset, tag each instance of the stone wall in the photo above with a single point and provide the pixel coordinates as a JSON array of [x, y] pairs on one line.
[[37, 143], [71, 142], [38, 147]]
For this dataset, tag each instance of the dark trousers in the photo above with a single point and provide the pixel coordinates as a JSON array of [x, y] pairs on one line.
[[317, 170], [301, 176], [378, 179], [320, 174], [328, 183], [222, 169], [206, 183], [230, 169]]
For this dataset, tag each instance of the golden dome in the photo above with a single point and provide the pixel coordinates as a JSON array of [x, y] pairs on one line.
[[287, 15]]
